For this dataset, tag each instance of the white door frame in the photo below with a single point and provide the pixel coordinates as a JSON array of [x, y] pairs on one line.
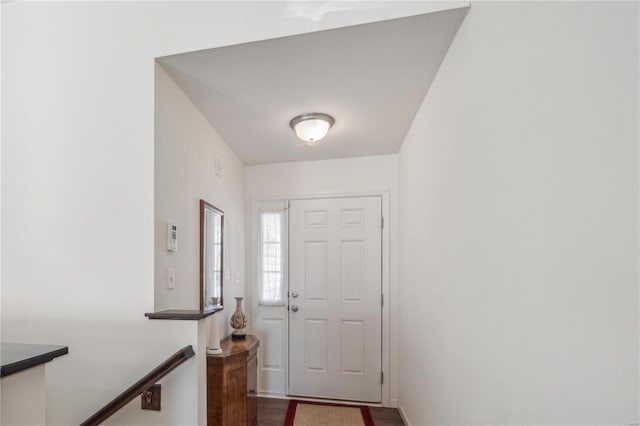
[[386, 281]]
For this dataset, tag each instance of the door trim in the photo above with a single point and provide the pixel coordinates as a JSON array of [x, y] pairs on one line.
[[385, 194]]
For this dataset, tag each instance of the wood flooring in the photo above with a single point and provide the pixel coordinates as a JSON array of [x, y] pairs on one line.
[[272, 411]]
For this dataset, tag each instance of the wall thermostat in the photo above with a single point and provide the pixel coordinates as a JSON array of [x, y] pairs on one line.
[[172, 236]]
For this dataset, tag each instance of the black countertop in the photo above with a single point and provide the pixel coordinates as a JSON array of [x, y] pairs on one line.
[[183, 314], [16, 357]]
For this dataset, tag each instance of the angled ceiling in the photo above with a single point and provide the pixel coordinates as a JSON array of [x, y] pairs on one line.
[[371, 78]]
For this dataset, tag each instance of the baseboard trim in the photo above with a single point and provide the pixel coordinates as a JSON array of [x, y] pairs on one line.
[[330, 401], [272, 395], [405, 419]]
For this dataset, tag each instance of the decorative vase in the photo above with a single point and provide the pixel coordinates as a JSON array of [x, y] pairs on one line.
[[238, 321]]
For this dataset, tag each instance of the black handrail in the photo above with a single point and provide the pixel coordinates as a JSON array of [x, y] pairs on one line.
[[140, 386]]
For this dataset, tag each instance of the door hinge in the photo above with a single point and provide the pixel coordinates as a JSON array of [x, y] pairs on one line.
[[382, 300], [381, 378], [382, 222]]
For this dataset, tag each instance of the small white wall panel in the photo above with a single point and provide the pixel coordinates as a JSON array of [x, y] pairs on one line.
[[352, 347], [316, 271], [24, 397], [271, 342], [352, 260], [316, 345]]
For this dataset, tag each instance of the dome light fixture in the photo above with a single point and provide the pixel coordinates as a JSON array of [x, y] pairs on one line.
[[311, 127]]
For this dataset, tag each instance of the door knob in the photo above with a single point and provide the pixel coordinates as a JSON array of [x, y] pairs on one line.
[[294, 308], [294, 294]]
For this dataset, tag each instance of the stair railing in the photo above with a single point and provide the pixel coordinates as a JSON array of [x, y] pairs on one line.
[[140, 387]]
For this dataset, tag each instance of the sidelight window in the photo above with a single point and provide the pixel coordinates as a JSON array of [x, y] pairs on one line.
[[271, 261]]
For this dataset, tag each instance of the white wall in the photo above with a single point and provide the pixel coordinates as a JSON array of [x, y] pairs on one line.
[[78, 183], [519, 222], [322, 177], [328, 177], [185, 151], [24, 397], [186, 147]]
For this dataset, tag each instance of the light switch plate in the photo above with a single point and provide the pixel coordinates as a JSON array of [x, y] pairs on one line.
[[171, 278]]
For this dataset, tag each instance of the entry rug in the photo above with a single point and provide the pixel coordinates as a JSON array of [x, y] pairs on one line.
[[306, 413]]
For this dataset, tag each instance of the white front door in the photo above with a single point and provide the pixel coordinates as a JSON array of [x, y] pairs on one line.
[[335, 287]]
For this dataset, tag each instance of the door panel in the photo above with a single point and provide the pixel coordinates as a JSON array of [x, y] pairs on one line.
[[352, 347], [335, 281], [316, 277]]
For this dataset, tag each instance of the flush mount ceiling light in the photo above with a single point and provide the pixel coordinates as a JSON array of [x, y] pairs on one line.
[[312, 127]]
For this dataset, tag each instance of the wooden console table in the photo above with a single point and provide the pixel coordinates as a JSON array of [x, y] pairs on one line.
[[232, 379]]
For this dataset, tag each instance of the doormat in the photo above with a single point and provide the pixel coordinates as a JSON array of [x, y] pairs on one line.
[[307, 413]]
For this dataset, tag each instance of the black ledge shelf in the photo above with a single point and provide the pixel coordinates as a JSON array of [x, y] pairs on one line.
[[17, 357], [183, 314]]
